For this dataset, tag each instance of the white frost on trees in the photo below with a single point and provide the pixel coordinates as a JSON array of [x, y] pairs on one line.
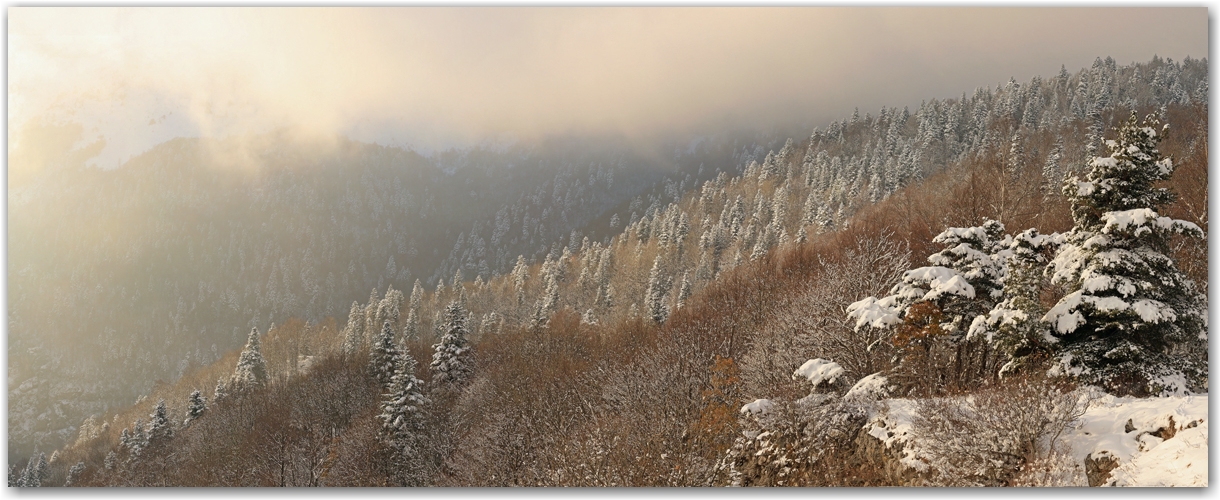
[[452, 357], [251, 371], [1127, 305]]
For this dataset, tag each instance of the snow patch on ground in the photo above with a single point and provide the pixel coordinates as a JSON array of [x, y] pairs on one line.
[[1144, 459], [1119, 427]]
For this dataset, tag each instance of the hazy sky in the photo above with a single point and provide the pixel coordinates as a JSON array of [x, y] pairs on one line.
[[443, 76]]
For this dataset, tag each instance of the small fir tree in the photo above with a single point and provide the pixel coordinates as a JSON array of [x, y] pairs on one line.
[[196, 404], [251, 371], [221, 392], [159, 428], [658, 289], [452, 357], [403, 420], [73, 473], [382, 354], [353, 333], [1014, 325]]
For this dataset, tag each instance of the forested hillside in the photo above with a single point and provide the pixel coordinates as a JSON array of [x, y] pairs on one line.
[[127, 278], [718, 326]]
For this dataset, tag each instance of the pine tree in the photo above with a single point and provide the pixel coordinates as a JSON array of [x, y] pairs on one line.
[[40, 470], [588, 318], [251, 371], [1014, 325], [403, 420], [520, 274], [547, 304], [411, 330], [73, 473], [34, 473], [221, 392], [159, 428], [417, 296], [389, 308], [1051, 177], [684, 290], [938, 303], [810, 210], [139, 438], [370, 317], [452, 357], [353, 333], [382, 354], [658, 289], [1128, 306], [195, 406]]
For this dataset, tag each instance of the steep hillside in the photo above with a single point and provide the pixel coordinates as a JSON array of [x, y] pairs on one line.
[[628, 360], [123, 279]]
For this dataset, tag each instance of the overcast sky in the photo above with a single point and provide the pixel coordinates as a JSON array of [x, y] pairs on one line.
[[433, 77]]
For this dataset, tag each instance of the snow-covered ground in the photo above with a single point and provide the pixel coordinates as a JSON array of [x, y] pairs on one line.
[[1158, 441], [1145, 459]]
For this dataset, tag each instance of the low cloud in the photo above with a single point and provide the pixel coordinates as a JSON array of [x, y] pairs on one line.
[[435, 77]]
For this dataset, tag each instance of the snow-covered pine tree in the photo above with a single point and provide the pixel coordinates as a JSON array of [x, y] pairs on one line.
[[1014, 326], [33, 473], [1127, 304], [810, 210], [684, 290], [417, 296], [452, 358], [389, 308], [353, 333], [410, 331], [251, 371], [934, 305], [403, 419], [139, 438], [1051, 177], [40, 470], [370, 317], [382, 354], [73, 473], [588, 318], [221, 392], [654, 296], [196, 404], [520, 274], [547, 303], [159, 428]]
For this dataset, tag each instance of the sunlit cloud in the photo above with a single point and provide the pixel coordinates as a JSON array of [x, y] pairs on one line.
[[435, 77]]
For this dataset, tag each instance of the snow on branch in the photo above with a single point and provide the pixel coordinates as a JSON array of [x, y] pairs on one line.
[[818, 370]]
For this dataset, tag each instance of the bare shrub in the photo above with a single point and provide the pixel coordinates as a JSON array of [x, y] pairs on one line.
[[812, 324], [811, 441], [1057, 469], [984, 439]]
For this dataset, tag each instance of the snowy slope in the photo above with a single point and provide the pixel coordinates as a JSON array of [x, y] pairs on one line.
[[1157, 441], [1145, 459]]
